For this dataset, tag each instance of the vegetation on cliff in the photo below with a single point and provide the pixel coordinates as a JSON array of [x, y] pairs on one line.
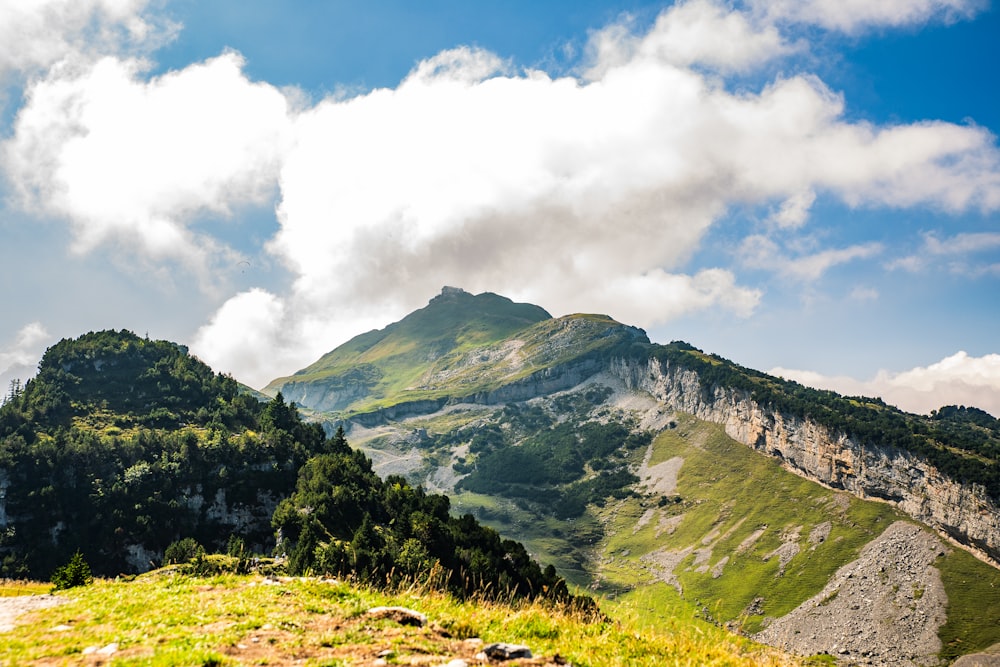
[[962, 443]]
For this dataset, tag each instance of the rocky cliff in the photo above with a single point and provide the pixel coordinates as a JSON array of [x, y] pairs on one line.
[[963, 512]]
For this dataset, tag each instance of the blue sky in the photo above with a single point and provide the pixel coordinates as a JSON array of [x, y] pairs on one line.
[[809, 188]]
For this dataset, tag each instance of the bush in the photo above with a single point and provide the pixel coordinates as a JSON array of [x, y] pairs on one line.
[[182, 551], [74, 573]]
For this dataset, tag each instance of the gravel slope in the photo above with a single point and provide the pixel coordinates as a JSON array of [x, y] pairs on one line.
[[885, 608]]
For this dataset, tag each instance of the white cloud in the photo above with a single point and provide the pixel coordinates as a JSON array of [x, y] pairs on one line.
[[960, 254], [134, 162], [588, 192], [761, 252], [794, 211], [245, 335], [852, 16], [37, 34], [582, 191], [691, 32], [956, 380], [19, 358]]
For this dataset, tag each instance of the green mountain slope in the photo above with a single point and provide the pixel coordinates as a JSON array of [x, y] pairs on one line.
[[376, 366], [458, 346], [546, 436]]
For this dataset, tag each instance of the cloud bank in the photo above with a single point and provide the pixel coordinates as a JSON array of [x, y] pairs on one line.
[[586, 192], [956, 380]]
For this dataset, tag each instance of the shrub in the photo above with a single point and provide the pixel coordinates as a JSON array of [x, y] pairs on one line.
[[182, 551], [74, 573]]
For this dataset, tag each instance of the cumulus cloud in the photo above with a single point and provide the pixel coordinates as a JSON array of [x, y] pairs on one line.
[[694, 32], [133, 162], [581, 192], [19, 358], [577, 191], [960, 379]]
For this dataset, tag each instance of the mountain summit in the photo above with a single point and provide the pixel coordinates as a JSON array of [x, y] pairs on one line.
[[459, 343]]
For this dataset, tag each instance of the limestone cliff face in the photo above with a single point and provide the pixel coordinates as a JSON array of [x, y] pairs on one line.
[[324, 396], [961, 511]]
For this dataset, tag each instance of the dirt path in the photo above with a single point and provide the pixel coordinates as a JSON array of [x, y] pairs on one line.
[[12, 607]]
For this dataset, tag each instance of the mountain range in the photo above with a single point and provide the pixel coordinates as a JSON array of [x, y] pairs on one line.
[[671, 475], [666, 481]]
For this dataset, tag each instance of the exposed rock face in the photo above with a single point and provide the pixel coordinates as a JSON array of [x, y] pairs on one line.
[[541, 383], [961, 511], [333, 393]]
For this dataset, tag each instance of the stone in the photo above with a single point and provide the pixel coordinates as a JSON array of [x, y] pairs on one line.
[[504, 651], [400, 615]]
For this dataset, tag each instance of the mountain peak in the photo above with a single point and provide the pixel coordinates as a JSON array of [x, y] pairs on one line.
[[448, 292]]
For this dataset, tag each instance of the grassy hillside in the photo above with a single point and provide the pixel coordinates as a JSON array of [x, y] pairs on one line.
[[390, 360], [232, 620], [731, 509], [742, 540], [736, 539], [456, 347]]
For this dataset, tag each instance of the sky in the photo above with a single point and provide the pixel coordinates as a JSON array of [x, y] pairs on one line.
[[806, 187]]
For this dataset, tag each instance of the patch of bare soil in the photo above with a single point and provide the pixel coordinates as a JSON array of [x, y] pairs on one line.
[[884, 608], [384, 642], [662, 477], [392, 461], [664, 562], [13, 607]]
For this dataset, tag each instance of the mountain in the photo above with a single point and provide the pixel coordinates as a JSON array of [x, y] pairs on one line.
[[373, 368], [662, 474], [129, 452]]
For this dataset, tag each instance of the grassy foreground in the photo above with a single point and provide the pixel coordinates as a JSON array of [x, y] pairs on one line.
[[167, 618]]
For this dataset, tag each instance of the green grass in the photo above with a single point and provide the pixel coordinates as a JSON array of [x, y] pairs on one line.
[[727, 493], [973, 590], [167, 619], [10, 588]]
